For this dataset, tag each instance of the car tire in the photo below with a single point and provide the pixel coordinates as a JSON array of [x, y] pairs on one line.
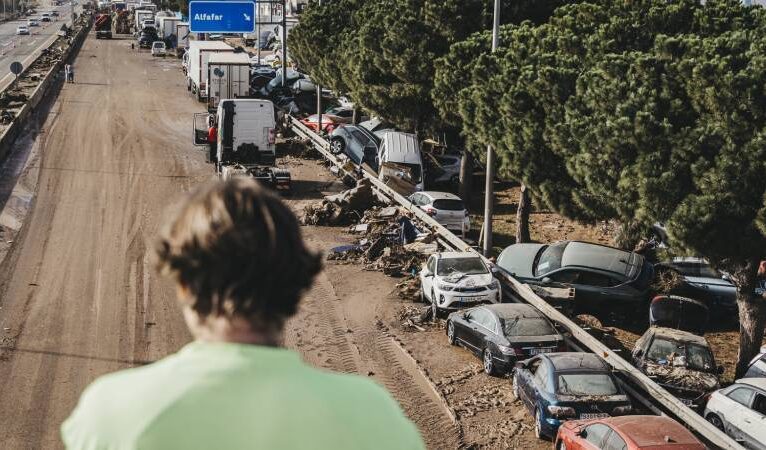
[[451, 333], [539, 424], [337, 145], [716, 421], [488, 363]]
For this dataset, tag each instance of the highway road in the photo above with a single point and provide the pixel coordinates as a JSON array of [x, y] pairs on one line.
[[25, 48]]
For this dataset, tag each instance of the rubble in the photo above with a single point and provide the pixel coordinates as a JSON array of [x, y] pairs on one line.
[[343, 208], [414, 317], [681, 376], [409, 289]]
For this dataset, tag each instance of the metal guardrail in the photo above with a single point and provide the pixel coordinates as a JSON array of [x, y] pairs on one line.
[[674, 407]]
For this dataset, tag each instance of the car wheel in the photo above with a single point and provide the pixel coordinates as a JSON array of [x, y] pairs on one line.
[[451, 332], [337, 145], [489, 364], [538, 424], [716, 421]]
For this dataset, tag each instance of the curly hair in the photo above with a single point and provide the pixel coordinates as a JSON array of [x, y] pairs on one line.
[[237, 248]]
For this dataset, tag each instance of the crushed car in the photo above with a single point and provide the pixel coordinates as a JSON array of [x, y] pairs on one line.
[[679, 361]]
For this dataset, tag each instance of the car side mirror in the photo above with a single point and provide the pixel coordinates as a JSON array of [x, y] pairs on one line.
[[547, 280], [726, 277], [466, 316], [427, 273], [581, 433], [638, 353], [720, 370], [520, 365]]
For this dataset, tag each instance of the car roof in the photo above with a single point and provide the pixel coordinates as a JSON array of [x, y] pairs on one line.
[[760, 383], [513, 310], [647, 431], [436, 195], [401, 147], [563, 361], [585, 254], [453, 255], [672, 333]]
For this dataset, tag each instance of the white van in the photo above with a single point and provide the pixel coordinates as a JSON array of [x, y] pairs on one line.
[[399, 156]]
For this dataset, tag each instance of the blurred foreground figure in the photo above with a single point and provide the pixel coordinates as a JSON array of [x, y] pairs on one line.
[[236, 254]]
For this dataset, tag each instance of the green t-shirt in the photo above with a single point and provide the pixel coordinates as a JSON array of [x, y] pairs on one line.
[[233, 396]]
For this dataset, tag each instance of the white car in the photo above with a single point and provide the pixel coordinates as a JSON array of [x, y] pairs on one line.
[[740, 411], [45, 17], [454, 280], [32, 23], [447, 209], [158, 48], [22, 29]]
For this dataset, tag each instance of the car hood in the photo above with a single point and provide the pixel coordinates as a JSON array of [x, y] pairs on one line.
[[618, 398], [682, 377], [463, 280], [718, 282], [548, 338], [518, 259]]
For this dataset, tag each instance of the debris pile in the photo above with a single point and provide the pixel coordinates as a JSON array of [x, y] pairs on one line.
[[681, 376], [414, 317], [340, 209], [409, 289], [667, 281]]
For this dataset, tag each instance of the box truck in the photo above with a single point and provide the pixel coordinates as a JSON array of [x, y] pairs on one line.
[[182, 38], [166, 28], [229, 75], [142, 15], [199, 55]]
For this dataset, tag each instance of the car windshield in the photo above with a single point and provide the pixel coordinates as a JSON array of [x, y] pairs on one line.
[[449, 205], [467, 266], [527, 326], [587, 384], [700, 269], [691, 356], [550, 258]]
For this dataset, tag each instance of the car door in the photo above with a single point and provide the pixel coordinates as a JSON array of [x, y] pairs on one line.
[[524, 378], [539, 387], [594, 289], [478, 320], [733, 407], [427, 279], [754, 422]]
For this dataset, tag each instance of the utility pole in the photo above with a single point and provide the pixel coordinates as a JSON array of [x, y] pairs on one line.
[[284, 43], [489, 194], [319, 100]]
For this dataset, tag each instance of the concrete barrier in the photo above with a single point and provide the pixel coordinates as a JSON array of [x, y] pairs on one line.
[[9, 135]]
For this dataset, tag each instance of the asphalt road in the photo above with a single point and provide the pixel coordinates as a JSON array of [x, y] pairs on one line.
[[78, 294], [25, 47]]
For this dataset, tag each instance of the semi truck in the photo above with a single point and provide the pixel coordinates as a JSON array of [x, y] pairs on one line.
[[245, 144], [141, 15], [103, 26], [197, 72], [121, 22], [229, 77], [166, 28]]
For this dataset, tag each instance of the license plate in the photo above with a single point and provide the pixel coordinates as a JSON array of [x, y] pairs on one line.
[[537, 351], [594, 416]]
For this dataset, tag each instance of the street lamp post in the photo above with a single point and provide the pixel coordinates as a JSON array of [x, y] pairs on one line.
[[284, 43], [490, 172], [319, 100]]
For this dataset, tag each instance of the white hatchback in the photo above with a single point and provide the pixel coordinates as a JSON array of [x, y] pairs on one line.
[[740, 411], [454, 280], [447, 209], [22, 29], [158, 48]]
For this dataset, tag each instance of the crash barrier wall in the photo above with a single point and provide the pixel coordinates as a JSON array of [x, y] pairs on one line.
[[640, 382], [8, 137]]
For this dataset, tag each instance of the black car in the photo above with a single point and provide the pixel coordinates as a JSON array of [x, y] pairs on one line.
[[679, 361], [567, 386], [147, 37], [503, 333], [700, 281]]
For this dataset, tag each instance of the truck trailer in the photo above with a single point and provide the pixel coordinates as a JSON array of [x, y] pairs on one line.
[[182, 38], [245, 145], [103, 26], [229, 77], [140, 16], [166, 28], [199, 55]]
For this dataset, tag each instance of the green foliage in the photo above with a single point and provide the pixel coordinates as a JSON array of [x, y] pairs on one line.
[[383, 54]]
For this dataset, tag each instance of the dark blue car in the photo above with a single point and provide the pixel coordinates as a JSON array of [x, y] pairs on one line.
[[564, 386]]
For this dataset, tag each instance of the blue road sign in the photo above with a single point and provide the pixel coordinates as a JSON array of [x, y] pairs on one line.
[[221, 17]]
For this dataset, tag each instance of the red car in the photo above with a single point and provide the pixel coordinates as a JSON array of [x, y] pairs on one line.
[[329, 122], [626, 433]]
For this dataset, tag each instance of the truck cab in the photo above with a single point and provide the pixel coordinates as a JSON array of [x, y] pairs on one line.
[[245, 146]]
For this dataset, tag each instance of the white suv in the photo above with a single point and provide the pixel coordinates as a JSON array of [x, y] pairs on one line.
[[454, 280], [740, 411], [158, 48]]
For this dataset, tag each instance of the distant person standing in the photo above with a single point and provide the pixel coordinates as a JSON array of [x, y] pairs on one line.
[[240, 267], [67, 71], [760, 284], [71, 73], [212, 142]]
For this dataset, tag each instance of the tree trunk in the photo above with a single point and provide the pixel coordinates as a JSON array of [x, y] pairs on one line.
[[522, 216], [752, 317], [466, 177], [355, 115]]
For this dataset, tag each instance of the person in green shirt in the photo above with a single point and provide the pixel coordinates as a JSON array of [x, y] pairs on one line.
[[240, 265]]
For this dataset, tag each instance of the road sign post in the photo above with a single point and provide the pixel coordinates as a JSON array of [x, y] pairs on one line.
[[221, 17]]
